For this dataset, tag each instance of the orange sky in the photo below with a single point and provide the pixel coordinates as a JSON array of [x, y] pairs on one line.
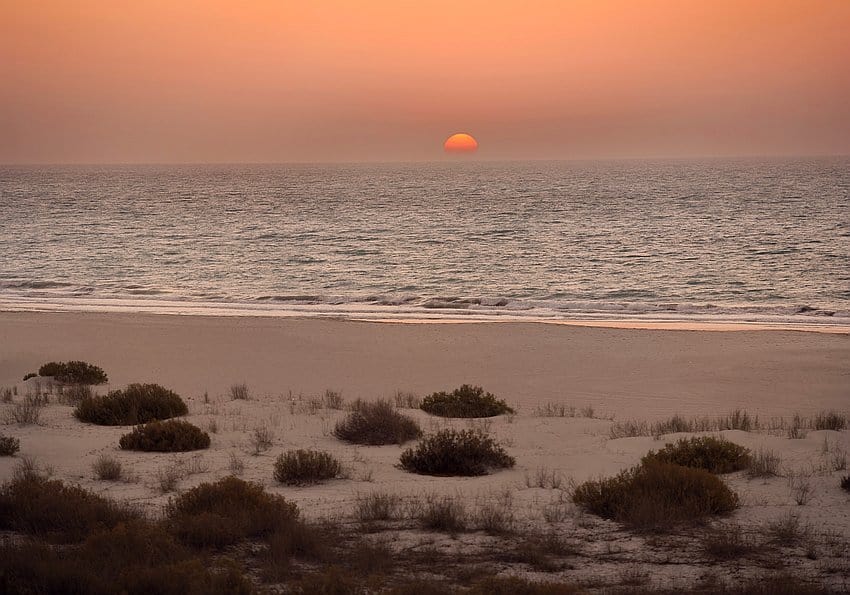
[[271, 80]]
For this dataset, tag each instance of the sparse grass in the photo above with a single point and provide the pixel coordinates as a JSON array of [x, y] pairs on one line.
[[451, 452], [445, 513], [795, 428], [801, 490], [305, 467], [830, 420], [218, 514], [28, 412], [173, 435], [543, 551], [74, 372], [136, 404], [239, 392], [716, 455], [763, 463], [9, 446], [466, 401], [75, 393], [6, 395], [261, 440], [521, 586], [787, 530], [544, 477], [50, 509], [406, 400], [107, 468], [236, 465], [496, 517], [657, 496], [375, 424], [377, 506], [332, 399], [727, 542]]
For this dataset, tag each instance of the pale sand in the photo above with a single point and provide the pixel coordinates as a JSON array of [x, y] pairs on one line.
[[627, 374]]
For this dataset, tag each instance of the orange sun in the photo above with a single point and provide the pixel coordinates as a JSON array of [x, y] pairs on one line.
[[460, 143]]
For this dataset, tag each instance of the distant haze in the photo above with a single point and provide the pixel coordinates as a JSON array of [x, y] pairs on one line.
[[272, 80]]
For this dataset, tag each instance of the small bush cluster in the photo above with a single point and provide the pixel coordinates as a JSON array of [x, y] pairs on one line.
[[229, 510], [466, 401], [173, 435], [74, 372], [716, 455], [656, 495], [452, 452], [136, 404], [305, 467], [38, 506], [9, 446], [376, 423]]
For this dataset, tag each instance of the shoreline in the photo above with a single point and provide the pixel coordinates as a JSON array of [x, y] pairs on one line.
[[627, 372]]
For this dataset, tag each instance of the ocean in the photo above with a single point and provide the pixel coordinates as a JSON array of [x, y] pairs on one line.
[[756, 241]]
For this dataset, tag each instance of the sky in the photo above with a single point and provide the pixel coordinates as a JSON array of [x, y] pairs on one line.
[[100, 81]]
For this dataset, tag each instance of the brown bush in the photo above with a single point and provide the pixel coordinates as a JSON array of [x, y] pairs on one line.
[[375, 424], [304, 467], [466, 401], [9, 446], [136, 404], [716, 455], [173, 435], [74, 372], [451, 452], [656, 495]]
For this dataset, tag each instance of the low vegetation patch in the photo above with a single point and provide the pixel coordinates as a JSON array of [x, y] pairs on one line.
[[34, 505], [830, 420], [107, 468], [9, 446], [305, 467], [716, 455], [763, 463], [377, 506], [845, 483], [656, 495], [136, 404], [174, 435], [376, 423], [466, 401], [452, 452], [27, 412], [74, 372], [444, 514], [222, 513]]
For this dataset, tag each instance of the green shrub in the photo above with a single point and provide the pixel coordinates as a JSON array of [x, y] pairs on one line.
[[9, 446], [227, 511], [136, 404], [174, 435], [451, 452], [656, 495], [74, 372], [466, 401], [304, 467], [48, 508], [716, 455], [375, 424]]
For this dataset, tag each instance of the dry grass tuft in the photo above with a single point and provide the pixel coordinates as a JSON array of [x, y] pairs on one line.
[[107, 468]]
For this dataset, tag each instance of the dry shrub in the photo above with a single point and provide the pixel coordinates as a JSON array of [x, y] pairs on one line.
[[9, 446], [239, 392], [375, 424], [6, 395], [74, 394], [107, 468], [521, 586], [261, 440], [406, 400], [377, 507], [173, 435], [727, 543], [136, 404], [845, 483], [763, 463], [496, 518], [452, 452], [542, 551], [716, 455], [332, 399], [446, 514], [656, 495], [28, 412], [222, 513], [48, 508], [787, 530], [74, 372], [466, 401], [830, 420], [305, 467]]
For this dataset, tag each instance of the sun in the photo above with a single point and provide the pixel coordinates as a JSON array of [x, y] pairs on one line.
[[460, 143]]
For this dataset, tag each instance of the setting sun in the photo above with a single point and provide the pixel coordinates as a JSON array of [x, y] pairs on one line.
[[460, 143]]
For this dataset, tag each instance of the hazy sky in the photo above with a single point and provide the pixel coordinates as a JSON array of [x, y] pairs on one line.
[[276, 80]]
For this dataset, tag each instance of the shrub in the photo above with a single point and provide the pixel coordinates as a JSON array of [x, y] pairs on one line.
[[466, 401], [377, 507], [763, 463], [26, 413], [221, 513], [716, 455], [845, 483], [37, 506], [9, 446], [451, 452], [655, 495], [304, 467], [107, 468], [74, 394], [74, 372], [830, 420], [519, 586], [375, 424], [239, 392], [29, 375], [444, 514], [173, 435], [136, 404]]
